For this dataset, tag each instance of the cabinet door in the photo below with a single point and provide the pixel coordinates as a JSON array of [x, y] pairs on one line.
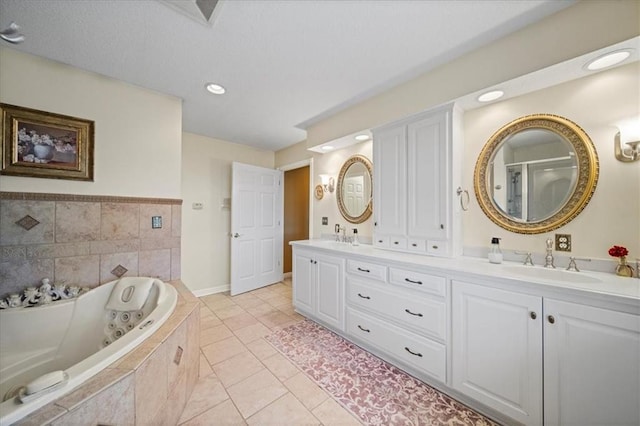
[[390, 157], [330, 290], [427, 171], [303, 280], [592, 366], [497, 349]]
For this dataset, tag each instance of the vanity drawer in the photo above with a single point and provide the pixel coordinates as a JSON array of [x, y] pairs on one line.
[[423, 354], [419, 281], [366, 269], [417, 245], [437, 248], [381, 241], [397, 242], [424, 314]]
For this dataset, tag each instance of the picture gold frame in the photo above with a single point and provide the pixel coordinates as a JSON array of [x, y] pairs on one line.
[[46, 145]]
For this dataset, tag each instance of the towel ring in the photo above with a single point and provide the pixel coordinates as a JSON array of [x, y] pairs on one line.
[[464, 205]]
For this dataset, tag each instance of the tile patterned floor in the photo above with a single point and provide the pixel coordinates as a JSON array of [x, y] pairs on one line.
[[243, 379]]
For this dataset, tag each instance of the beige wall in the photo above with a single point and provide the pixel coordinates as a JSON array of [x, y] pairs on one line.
[[574, 31], [206, 179], [137, 131]]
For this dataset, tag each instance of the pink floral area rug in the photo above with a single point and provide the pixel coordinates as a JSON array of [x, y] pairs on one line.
[[374, 391]]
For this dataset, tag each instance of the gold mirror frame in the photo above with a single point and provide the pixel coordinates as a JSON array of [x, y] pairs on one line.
[[588, 170], [343, 171]]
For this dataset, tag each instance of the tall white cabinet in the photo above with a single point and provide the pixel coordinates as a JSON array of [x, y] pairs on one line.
[[417, 164]]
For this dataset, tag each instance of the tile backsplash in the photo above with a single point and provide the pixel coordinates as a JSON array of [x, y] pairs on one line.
[[85, 240]]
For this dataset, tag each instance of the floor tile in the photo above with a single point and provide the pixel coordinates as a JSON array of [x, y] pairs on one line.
[[208, 322], [214, 334], [223, 414], [251, 333], [285, 410], [307, 392], [223, 349], [229, 311], [280, 367], [237, 368], [207, 393], [279, 300], [248, 300], [261, 309], [256, 392], [274, 319], [240, 321], [330, 413], [261, 348]]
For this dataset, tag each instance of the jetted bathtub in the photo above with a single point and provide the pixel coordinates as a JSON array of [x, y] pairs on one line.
[[46, 351]]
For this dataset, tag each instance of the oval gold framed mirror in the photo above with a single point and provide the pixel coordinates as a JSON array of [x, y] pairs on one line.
[[536, 174], [355, 189]]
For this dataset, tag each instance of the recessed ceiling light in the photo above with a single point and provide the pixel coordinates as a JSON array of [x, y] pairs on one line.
[[491, 96], [327, 148], [214, 88], [362, 137], [608, 60]]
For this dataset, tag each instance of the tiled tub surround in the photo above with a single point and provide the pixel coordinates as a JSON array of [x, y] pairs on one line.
[[149, 386], [85, 240]]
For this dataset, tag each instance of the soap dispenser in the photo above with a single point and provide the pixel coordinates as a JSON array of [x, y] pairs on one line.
[[495, 254], [355, 241]]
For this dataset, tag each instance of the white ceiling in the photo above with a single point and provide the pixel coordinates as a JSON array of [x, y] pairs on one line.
[[286, 64]]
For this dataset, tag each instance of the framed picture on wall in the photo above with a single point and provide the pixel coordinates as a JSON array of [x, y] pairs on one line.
[[46, 145]]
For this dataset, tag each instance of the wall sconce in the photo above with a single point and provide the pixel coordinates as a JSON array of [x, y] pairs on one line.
[[328, 184], [628, 134]]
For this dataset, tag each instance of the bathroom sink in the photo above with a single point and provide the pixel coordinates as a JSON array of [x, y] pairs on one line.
[[551, 274]]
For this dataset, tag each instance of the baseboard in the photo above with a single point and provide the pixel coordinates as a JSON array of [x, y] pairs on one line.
[[211, 290]]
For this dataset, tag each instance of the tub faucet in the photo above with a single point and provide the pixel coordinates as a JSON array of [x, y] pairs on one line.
[[548, 259]]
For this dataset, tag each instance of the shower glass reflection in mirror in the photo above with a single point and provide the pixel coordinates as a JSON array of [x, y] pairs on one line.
[[533, 173]]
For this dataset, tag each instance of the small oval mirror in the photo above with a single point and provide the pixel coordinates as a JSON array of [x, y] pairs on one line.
[[355, 189], [536, 174]]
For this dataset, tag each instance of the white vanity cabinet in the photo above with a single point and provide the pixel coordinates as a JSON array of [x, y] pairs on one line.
[[497, 349], [506, 344], [591, 365], [318, 286], [417, 170]]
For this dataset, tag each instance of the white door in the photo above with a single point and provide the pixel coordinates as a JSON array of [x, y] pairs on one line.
[[256, 227], [591, 366], [497, 349]]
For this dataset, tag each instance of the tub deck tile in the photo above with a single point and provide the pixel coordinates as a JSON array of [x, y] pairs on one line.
[[91, 387]]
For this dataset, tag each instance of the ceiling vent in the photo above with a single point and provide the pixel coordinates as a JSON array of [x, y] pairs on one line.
[[202, 11]]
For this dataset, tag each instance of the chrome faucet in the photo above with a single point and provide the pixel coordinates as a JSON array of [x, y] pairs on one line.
[[548, 259], [572, 263], [528, 260]]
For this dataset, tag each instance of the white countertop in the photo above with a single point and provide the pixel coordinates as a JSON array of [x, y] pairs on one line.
[[607, 285]]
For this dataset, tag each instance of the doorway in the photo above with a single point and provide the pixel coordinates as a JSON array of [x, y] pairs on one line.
[[296, 210]]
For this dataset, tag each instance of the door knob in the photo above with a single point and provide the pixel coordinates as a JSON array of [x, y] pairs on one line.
[[236, 235], [551, 319]]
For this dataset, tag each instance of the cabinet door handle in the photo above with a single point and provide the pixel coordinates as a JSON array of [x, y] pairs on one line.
[[413, 353], [533, 315], [364, 329], [413, 313], [310, 260], [364, 270], [551, 319], [412, 281], [364, 297]]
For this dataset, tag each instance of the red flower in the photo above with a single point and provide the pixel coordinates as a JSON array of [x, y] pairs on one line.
[[618, 251]]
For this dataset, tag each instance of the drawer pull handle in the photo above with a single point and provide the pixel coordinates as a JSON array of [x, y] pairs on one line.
[[364, 270], [396, 242], [364, 297], [412, 281], [413, 353], [434, 247], [413, 313], [414, 245], [380, 241], [366, 330]]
